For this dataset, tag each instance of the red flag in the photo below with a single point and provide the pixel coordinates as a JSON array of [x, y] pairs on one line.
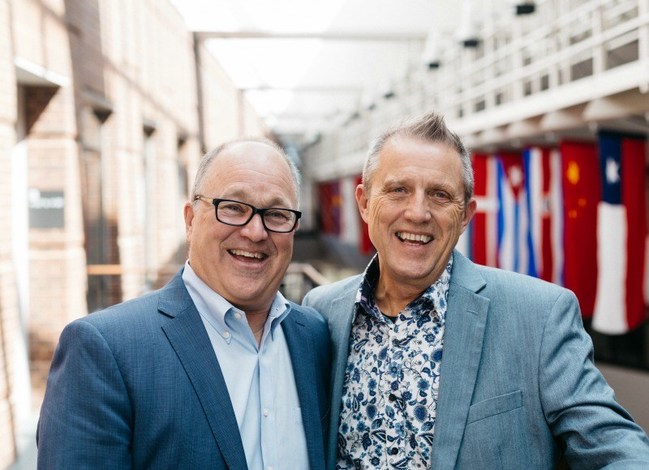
[[484, 228], [330, 201], [581, 194]]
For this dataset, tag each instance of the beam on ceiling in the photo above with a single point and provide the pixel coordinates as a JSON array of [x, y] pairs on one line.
[[326, 35], [304, 89]]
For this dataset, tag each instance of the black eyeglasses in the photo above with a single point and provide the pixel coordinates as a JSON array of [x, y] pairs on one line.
[[237, 213]]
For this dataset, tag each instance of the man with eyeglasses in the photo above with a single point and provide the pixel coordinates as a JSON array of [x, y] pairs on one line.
[[216, 369]]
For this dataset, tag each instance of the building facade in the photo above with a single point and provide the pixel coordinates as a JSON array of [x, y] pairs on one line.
[[106, 108]]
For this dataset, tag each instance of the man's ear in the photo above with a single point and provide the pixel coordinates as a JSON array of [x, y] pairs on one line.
[[188, 212], [469, 213], [361, 201]]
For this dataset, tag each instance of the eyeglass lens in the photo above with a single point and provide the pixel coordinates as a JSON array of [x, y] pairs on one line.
[[239, 213]]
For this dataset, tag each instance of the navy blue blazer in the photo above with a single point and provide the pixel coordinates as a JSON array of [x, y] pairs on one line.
[[518, 386], [138, 386]]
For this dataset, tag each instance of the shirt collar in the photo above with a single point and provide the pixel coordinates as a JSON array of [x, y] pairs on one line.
[[435, 294], [214, 307]]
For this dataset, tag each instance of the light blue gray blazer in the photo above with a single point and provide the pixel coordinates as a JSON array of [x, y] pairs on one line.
[[139, 386], [518, 385]]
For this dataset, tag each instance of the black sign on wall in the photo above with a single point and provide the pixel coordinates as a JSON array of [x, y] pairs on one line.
[[46, 208]]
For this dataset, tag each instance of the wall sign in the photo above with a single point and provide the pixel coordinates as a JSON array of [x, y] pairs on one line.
[[46, 208]]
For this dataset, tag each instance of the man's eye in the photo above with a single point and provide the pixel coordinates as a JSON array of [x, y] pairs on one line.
[[233, 208], [278, 215]]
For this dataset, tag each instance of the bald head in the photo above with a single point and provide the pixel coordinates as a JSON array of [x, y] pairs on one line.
[[243, 148]]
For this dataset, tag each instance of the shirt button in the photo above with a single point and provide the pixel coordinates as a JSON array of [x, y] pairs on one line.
[[392, 397], [394, 451], [266, 413], [237, 315], [226, 334]]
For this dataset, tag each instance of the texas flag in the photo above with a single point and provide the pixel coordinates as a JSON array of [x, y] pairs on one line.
[[544, 206], [621, 233], [483, 229], [512, 213]]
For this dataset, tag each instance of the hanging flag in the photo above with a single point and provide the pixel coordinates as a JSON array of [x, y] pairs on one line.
[[621, 234], [483, 229], [581, 193], [512, 213], [330, 210], [544, 206]]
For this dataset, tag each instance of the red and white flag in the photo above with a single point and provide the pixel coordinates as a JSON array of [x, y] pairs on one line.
[[483, 245]]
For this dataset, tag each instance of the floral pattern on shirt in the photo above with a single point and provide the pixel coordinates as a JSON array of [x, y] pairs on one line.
[[391, 386]]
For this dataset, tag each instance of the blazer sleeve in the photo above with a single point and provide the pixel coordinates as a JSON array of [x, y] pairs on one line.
[[579, 406], [85, 419]]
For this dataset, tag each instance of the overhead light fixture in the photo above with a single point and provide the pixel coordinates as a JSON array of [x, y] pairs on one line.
[[471, 43], [467, 32], [525, 8], [387, 88], [432, 49]]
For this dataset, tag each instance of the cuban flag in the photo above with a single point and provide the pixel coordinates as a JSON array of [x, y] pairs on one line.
[[512, 213], [544, 205], [483, 229], [621, 234]]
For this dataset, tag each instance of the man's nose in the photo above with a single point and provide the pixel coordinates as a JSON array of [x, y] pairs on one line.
[[255, 229], [418, 208]]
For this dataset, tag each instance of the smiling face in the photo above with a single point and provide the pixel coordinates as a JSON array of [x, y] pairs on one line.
[[415, 211], [244, 264]]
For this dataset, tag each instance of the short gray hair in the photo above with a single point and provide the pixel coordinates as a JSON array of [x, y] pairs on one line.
[[210, 156], [430, 128]]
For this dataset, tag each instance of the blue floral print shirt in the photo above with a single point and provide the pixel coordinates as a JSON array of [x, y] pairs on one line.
[[389, 399]]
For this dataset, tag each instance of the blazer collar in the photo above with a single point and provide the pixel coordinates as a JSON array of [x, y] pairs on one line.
[[340, 316], [463, 338], [303, 358], [192, 345]]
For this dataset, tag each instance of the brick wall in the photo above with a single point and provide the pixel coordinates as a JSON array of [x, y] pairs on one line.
[[106, 106], [10, 331]]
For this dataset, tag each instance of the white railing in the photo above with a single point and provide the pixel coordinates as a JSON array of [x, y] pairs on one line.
[[521, 64]]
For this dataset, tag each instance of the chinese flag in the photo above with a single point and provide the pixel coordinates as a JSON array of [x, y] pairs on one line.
[[581, 193]]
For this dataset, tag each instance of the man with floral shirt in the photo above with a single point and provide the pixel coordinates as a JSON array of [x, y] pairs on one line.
[[441, 363]]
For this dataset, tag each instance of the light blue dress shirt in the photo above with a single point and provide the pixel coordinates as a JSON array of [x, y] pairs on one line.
[[260, 379]]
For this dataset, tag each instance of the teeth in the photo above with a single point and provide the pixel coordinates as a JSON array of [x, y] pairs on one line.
[[413, 237], [247, 254]]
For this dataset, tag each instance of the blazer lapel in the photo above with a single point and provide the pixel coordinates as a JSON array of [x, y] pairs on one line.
[[188, 337], [339, 316], [464, 332], [304, 369]]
